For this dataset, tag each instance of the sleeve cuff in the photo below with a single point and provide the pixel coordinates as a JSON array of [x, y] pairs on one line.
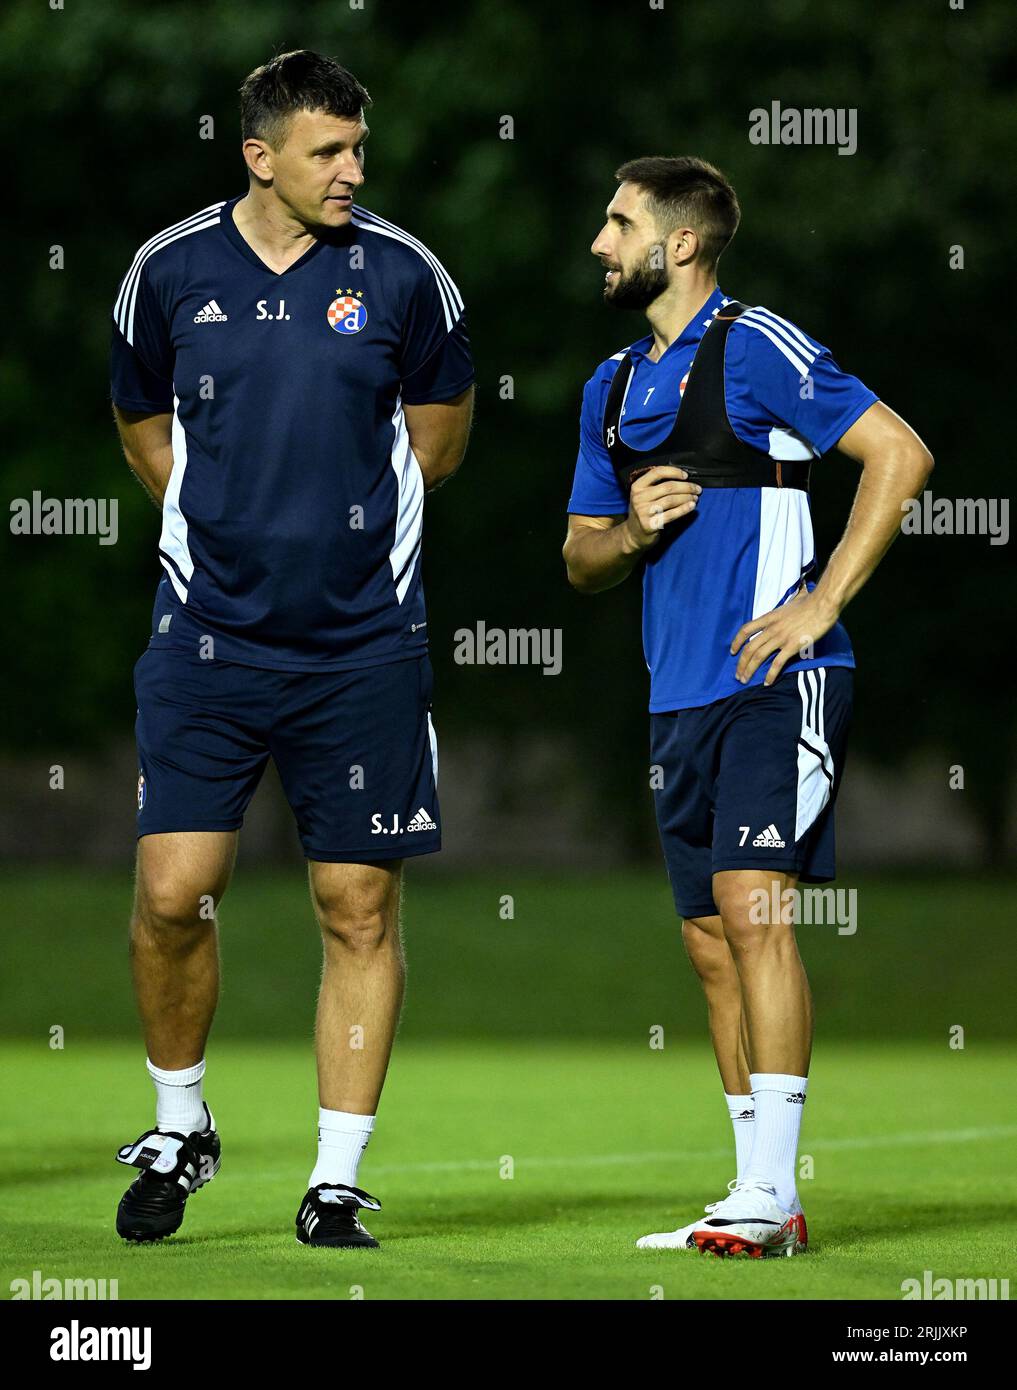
[[841, 427], [579, 508], [440, 393], [143, 407]]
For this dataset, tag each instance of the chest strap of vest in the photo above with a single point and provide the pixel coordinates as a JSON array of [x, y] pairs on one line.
[[719, 472], [702, 441]]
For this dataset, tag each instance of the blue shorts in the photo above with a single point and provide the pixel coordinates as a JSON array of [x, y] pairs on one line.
[[355, 751], [749, 782]]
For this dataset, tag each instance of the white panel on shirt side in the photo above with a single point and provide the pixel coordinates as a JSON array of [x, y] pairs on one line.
[[173, 538], [786, 545], [786, 443], [410, 504]]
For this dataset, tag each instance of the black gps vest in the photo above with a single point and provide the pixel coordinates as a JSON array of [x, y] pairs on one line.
[[702, 441]]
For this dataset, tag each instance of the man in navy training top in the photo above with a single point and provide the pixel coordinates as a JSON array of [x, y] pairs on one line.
[[290, 374], [750, 668]]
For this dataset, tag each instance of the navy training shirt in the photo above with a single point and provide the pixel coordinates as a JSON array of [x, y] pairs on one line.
[[743, 551], [292, 521]]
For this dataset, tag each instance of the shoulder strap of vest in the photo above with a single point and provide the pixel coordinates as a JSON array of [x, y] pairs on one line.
[[610, 425], [702, 423]]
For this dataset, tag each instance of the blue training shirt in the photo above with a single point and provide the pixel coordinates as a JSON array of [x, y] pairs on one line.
[[743, 551], [292, 522]]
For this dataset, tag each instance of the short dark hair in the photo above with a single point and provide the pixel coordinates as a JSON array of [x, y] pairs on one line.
[[299, 81], [687, 190]]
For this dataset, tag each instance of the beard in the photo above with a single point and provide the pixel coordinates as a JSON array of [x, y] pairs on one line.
[[638, 289]]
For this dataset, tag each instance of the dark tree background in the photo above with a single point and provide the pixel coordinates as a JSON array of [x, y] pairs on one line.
[[102, 111]]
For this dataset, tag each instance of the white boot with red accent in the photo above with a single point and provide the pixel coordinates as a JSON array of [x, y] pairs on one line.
[[751, 1222]]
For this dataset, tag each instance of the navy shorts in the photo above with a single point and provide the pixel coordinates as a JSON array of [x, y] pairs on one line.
[[355, 751], [750, 781]]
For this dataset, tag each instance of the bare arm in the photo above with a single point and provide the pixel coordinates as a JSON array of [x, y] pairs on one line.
[[438, 435], [148, 449], [895, 467], [601, 551]]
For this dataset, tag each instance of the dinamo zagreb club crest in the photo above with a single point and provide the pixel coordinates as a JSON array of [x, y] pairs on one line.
[[348, 313]]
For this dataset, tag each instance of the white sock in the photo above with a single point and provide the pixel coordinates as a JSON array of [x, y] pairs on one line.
[[743, 1120], [779, 1102], [178, 1101], [342, 1139]]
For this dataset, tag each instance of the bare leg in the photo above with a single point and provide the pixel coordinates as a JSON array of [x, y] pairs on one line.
[[357, 907], [174, 947], [712, 961], [776, 999]]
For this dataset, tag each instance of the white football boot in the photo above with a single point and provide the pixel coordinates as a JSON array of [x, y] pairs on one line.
[[751, 1222], [682, 1238]]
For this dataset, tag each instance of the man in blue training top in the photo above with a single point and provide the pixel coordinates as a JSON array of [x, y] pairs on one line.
[[695, 448], [290, 374]]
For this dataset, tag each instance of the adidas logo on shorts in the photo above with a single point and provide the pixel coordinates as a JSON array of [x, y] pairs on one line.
[[768, 838], [421, 821], [211, 314]]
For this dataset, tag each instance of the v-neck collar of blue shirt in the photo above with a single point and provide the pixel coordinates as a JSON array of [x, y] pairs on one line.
[[688, 337]]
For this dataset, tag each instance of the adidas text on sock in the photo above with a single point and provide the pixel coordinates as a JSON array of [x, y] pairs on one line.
[[743, 1116]]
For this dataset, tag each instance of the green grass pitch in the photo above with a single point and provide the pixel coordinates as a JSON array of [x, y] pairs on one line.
[[524, 1048], [911, 1151]]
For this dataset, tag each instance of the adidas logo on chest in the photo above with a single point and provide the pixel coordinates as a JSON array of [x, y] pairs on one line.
[[211, 314]]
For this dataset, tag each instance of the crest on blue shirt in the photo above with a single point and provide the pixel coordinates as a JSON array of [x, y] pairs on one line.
[[347, 313]]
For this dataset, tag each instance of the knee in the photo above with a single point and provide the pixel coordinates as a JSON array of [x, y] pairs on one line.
[[165, 906], [351, 926], [747, 912], [695, 939], [707, 952], [745, 938]]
